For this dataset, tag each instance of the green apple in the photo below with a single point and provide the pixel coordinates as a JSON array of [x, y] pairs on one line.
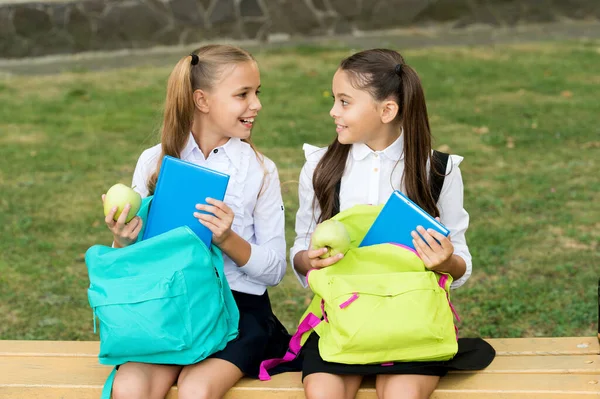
[[120, 195], [331, 234]]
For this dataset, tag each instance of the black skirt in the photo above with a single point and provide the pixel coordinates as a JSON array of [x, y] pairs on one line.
[[473, 354], [261, 336]]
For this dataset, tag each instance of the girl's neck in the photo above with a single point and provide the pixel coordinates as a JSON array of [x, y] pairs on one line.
[[384, 138], [205, 139]]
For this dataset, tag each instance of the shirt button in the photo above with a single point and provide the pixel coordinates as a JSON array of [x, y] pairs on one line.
[[216, 150], [376, 155], [376, 170]]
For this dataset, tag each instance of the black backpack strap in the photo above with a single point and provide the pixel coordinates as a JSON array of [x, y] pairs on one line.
[[437, 173]]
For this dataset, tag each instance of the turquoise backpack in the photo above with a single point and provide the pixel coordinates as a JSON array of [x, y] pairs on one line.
[[164, 300]]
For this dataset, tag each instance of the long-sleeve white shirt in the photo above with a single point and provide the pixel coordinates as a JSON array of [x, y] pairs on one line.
[[259, 215], [370, 177]]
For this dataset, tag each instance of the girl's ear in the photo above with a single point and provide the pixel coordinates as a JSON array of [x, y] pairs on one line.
[[389, 111], [200, 101]]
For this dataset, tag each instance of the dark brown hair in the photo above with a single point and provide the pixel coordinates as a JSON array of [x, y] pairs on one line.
[[376, 72], [179, 104]]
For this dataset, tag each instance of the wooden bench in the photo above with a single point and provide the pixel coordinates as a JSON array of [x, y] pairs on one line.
[[542, 368]]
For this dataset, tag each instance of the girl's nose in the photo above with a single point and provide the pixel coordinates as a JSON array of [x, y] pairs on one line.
[[256, 105], [333, 113]]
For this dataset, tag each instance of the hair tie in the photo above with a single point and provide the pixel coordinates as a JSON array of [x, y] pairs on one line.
[[195, 59], [398, 69]]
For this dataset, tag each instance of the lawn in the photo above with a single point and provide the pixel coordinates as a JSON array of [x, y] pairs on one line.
[[524, 116]]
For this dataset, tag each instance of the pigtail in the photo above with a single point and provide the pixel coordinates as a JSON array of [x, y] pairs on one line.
[[417, 139], [327, 175], [178, 114]]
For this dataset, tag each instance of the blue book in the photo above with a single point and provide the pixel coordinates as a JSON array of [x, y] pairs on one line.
[[180, 186], [398, 218]]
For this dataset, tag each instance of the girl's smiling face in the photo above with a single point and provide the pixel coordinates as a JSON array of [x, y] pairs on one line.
[[359, 117], [355, 112], [233, 102]]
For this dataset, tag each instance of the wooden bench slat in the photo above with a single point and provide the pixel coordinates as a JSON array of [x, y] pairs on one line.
[[87, 371], [480, 386], [503, 346], [546, 346], [530, 368]]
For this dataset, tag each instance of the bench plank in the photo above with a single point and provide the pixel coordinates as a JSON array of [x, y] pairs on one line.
[[529, 368], [480, 386], [87, 370]]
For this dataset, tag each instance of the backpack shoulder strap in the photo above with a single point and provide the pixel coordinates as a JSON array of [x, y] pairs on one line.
[[437, 173]]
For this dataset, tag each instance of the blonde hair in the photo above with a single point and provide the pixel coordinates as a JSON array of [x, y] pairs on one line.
[[179, 104]]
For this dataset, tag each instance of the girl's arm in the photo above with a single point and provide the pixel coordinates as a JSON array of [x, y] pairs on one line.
[[264, 260], [305, 224], [453, 255]]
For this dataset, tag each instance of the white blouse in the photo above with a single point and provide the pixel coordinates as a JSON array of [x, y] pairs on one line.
[[370, 177], [259, 219]]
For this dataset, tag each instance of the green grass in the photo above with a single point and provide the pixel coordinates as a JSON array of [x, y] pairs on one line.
[[525, 117]]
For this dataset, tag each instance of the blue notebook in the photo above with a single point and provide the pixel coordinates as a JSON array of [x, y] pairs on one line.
[[180, 186], [398, 218]]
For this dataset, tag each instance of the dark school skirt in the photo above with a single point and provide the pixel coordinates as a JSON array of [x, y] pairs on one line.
[[473, 354], [261, 337]]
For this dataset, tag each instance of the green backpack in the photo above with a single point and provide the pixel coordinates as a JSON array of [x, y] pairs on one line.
[[164, 300], [378, 304]]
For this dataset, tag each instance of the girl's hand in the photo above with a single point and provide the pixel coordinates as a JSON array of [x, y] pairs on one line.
[[219, 223], [124, 234], [434, 254], [316, 262]]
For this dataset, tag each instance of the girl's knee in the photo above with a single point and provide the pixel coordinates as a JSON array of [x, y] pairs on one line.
[[317, 389], [130, 388], [194, 390]]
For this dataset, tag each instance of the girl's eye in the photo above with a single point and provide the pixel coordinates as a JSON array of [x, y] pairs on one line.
[[344, 103], [242, 95], [257, 92]]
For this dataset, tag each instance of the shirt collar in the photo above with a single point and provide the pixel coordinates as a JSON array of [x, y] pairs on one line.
[[394, 151], [232, 148]]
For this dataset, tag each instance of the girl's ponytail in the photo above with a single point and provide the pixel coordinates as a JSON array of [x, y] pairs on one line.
[[417, 139], [178, 115]]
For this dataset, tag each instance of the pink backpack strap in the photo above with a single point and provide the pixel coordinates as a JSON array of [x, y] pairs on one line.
[[442, 282], [307, 324]]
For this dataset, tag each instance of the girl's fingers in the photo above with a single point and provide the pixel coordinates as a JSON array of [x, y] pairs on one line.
[[123, 216], [103, 198], [219, 204], [210, 225], [433, 244], [138, 227], [442, 239], [109, 219], [316, 253], [207, 218], [320, 263]]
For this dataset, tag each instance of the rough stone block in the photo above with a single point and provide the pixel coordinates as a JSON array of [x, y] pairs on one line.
[[79, 27], [31, 23], [222, 12], [251, 8], [129, 23], [349, 8], [187, 12]]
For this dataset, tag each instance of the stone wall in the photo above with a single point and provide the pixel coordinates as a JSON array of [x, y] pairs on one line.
[[32, 28]]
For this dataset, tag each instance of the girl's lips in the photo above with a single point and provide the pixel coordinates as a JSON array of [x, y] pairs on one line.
[[247, 122], [339, 128]]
